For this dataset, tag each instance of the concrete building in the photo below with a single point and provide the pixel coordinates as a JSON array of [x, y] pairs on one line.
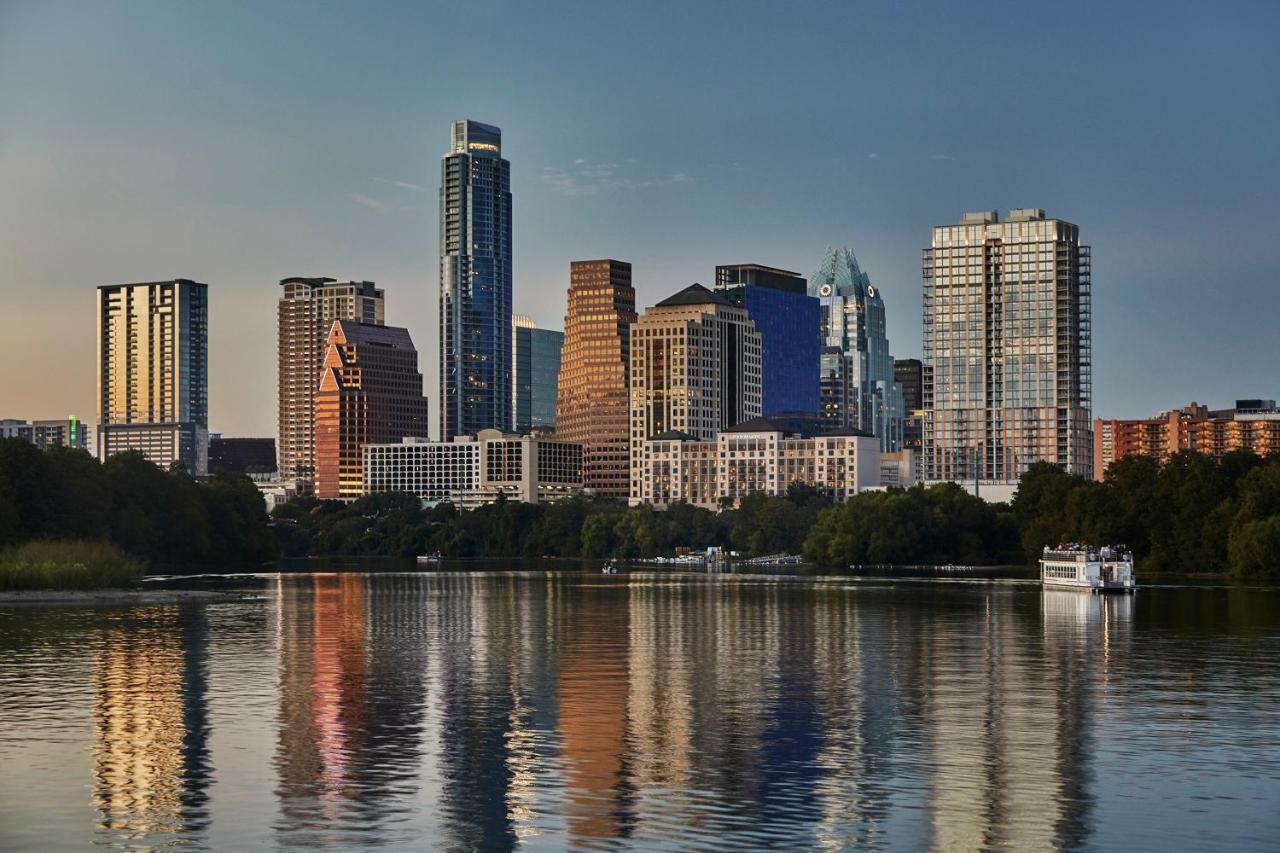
[[304, 316], [535, 358], [1252, 425], [755, 456], [592, 402], [475, 282], [898, 469], [1007, 337], [46, 434], [695, 368], [153, 376], [472, 471], [370, 392]]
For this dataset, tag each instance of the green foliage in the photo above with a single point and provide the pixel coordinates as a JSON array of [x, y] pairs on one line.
[[66, 564]]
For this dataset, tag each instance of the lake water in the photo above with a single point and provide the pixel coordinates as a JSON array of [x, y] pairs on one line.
[[646, 710]]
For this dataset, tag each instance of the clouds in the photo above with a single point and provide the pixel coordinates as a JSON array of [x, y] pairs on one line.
[[585, 178]]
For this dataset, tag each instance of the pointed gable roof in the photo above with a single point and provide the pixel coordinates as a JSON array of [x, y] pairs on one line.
[[694, 294]]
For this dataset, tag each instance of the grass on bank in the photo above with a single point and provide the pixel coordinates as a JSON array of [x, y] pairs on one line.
[[67, 564]]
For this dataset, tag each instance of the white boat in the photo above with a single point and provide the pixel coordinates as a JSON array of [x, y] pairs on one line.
[[609, 568], [1084, 567], [424, 559]]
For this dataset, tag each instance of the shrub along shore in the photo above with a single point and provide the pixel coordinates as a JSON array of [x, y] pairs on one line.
[[67, 565]]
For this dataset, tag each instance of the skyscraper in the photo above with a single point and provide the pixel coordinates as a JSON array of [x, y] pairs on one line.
[[787, 319], [305, 315], [1006, 348], [592, 402], [370, 392], [910, 375], [535, 373], [475, 283], [153, 385], [857, 382], [695, 369]]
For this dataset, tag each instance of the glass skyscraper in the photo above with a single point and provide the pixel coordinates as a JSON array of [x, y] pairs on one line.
[[475, 283], [536, 357]]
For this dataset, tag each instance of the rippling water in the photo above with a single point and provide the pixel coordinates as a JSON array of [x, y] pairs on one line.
[[491, 711]]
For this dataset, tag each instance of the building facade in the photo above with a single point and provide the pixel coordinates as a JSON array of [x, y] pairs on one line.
[[370, 392], [593, 390], [153, 375], [788, 320], [535, 374], [475, 283], [1252, 425], [909, 373], [1007, 338], [242, 455], [471, 471], [857, 385], [304, 317], [70, 433], [695, 368], [754, 457]]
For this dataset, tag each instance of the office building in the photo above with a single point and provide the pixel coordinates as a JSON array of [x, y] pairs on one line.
[[909, 373], [370, 392], [857, 384], [47, 434], [757, 456], [593, 402], [153, 379], [305, 315], [256, 456], [787, 319], [1252, 425], [475, 283], [470, 471], [1006, 349], [535, 373], [695, 368]]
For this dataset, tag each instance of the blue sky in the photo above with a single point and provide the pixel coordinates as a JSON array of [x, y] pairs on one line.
[[239, 143]]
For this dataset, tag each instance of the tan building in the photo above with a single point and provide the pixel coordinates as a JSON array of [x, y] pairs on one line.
[[1007, 341], [305, 315], [695, 368], [1253, 425], [592, 397], [370, 392]]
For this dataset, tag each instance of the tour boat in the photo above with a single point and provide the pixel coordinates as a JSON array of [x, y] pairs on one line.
[[610, 568], [1073, 566]]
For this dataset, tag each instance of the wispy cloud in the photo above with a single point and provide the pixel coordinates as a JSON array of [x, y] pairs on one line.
[[873, 156], [941, 157], [585, 178], [366, 201], [404, 185]]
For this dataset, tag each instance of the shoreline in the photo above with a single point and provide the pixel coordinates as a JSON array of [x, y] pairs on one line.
[[114, 596]]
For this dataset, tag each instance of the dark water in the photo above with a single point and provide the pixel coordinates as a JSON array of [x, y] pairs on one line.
[[494, 711]]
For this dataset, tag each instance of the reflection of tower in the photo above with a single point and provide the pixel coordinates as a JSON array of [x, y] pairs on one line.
[[151, 767]]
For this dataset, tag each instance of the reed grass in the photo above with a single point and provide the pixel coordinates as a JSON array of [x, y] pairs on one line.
[[67, 564]]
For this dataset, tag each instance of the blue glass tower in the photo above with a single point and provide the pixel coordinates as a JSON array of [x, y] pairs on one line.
[[789, 322], [536, 360], [475, 283]]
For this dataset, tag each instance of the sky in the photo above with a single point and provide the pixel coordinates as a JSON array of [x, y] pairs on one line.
[[239, 143]]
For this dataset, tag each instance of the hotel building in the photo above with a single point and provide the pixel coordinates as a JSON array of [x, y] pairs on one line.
[[1252, 425], [535, 358], [153, 386], [1007, 341], [592, 402]]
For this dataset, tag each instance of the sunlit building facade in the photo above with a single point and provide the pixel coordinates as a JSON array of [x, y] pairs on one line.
[[535, 358], [1253, 425]]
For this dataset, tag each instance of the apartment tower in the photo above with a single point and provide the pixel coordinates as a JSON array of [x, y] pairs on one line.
[[305, 315], [535, 359], [1006, 349], [592, 402], [153, 376], [475, 283]]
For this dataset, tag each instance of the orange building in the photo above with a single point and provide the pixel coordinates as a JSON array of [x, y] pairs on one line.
[[1252, 425], [370, 393]]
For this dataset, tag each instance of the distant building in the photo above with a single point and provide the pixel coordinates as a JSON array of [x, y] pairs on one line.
[[46, 434], [535, 374], [593, 402], [909, 373], [1252, 425], [755, 456], [788, 320], [695, 368], [898, 469], [472, 471], [370, 392], [475, 282], [305, 315], [1007, 337], [153, 372], [242, 455]]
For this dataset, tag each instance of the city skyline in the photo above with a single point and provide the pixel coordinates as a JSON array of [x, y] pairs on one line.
[[212, 174]]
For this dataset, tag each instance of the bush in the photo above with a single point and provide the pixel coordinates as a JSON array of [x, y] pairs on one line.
[[67, 564]]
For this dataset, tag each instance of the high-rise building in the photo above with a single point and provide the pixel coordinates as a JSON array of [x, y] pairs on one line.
[[255, 456], [909, 372], [370, 392], [695, 369], [305, 315], [1252, 425], [153, 378], [593, 402], [475, 283], [857, 381], [535, 358], [1006, 349], [787, 319]]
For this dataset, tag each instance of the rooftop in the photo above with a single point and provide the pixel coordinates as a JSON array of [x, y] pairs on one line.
[[694, 294]]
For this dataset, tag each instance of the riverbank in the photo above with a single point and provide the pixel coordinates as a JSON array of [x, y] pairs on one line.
[[115, 596], [68, 565]]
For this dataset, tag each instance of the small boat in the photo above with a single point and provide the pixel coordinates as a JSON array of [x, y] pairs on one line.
[[426, 559], [1083, 567], [609, 568]]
